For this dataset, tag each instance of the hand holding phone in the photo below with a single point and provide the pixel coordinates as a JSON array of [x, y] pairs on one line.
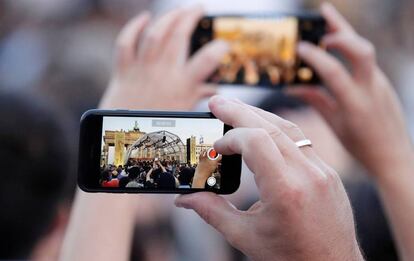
[[294, 185]]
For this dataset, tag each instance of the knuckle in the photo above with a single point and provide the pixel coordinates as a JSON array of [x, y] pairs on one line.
[[332, 71], [153, 38], [257, 137], [368, 50], [323, 179], [332, 175], [289, 125], [292, 130], [292, 198]]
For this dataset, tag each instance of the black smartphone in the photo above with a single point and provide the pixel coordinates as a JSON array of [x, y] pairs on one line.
[[262, 47], [154, 152]]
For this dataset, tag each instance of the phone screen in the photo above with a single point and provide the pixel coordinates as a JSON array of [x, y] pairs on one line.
[[157, 154], [262, 49]]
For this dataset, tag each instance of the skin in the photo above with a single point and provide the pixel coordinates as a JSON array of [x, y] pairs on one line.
[[204, 170], [152, 70], [295, 187], [362, 108]]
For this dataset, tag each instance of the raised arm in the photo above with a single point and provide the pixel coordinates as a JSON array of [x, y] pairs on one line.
[[161, 166], [148, 176], [143, 53], [205, 168], [363, 110]]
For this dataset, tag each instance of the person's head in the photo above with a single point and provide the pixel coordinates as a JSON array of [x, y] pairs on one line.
[[106, 175], [36, 158], [133, 173], [156, 173], [166, 181], [186, 175], [123, 182]]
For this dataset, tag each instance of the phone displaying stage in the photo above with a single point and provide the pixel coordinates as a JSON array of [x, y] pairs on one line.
[[262, 48], [158, 152]]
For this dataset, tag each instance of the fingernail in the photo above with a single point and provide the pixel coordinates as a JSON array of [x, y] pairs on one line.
[[181, 201], [178, 204], [177, 201]]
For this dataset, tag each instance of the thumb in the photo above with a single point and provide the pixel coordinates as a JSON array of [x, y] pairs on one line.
[[216, 211]]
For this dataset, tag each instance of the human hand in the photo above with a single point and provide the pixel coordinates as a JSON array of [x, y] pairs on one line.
[[303, 212], [361, 106], [205, 168], [153, 69]]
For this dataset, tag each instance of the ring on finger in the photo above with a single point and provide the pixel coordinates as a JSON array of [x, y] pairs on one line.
[[303, 143]]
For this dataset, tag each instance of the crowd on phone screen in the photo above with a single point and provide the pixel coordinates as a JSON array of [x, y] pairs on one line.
[[164, 174]]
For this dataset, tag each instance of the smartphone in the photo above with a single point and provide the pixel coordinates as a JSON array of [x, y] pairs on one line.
[[154, 152], [262, 47]]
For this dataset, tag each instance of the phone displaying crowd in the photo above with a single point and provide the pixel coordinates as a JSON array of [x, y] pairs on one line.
[[262, 48], [157, 154]]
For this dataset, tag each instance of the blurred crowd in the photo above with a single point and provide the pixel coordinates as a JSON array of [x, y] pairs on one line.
[[162, 174], [60, 52]]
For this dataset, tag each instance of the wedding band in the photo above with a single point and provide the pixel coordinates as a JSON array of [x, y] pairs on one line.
[[303, 143]]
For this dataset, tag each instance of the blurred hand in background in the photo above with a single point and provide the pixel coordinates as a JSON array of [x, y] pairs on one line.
[[153, 69], [363, 110], [361, 105]]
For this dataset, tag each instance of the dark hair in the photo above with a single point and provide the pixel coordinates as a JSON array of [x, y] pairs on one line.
[[166, 181], [123, 182], [186, 175], [133, 173], [36, 159], [156, 173], [106, 175]]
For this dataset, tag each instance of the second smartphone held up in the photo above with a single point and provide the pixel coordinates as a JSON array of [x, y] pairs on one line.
[[262, 47], [155, 152]]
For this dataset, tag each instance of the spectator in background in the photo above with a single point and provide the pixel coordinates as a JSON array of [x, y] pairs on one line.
[[36, 179], [133, 174], [108, 181], [185, 177]]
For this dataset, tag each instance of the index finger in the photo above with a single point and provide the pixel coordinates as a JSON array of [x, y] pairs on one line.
[[180, 38], [336, 22], [330, 70], [261, 156]]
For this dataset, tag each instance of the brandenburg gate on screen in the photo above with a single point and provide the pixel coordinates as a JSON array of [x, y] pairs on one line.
[[121, 140]]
